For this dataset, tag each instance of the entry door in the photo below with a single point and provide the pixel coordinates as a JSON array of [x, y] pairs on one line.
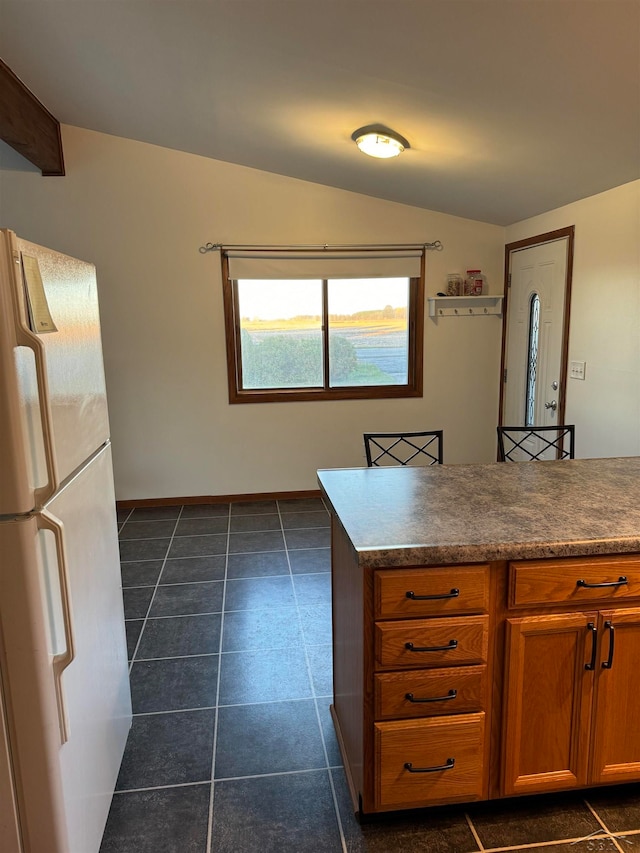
[[535, 345]]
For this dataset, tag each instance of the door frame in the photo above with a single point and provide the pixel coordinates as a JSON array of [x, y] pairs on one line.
[[527, 243]]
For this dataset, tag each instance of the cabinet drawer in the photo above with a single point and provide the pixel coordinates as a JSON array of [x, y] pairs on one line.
[[430, 592], [432, 642], [573, 580], [431, 693], [426, 744]]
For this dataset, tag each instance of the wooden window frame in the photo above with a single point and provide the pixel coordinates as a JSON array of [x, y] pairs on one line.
[[237, 394]]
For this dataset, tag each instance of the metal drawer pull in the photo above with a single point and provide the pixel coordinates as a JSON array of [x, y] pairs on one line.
[[608, 663], [450, 695], [452, 644], [453, 594], [409, 766], [622, 581], [594, 642]]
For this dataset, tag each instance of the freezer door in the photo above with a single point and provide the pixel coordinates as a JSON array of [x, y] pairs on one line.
[[52, 383], [69, 743]]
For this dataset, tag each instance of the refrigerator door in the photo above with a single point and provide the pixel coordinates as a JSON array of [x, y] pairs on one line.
[[68, 751], [9, 823], [32, 727], [52, 385]]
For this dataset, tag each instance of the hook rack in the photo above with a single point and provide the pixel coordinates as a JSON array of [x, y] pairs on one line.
[[464, 306]]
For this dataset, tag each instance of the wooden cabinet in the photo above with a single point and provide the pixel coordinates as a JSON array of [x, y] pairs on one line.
[[470, 682], [430, 692], [435, 591], [411, 681], [548, 696], [615, 749], [574, 580], [570, 697], [432, 642], [422, 762]]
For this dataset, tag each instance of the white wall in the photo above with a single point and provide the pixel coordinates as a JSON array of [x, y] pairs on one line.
[[605, 317], [140, 212]]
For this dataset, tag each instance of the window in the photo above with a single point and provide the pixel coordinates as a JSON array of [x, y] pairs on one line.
[[323, 326], [532, 360]]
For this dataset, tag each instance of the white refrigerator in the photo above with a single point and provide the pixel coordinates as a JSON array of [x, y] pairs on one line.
[[65, 707]]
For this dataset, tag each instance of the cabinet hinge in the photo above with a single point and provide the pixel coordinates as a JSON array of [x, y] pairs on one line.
[[504, 375], [509, 280]]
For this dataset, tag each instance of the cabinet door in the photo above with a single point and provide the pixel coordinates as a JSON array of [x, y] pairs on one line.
[[616, 737], [547, 703]]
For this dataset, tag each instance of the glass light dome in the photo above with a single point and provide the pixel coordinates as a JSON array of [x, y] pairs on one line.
[[379, 142]]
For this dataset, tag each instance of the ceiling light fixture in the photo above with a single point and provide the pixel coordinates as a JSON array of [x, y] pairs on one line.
[[378, 141]]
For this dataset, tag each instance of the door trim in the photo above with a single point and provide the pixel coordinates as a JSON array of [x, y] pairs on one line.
[[528, 242]]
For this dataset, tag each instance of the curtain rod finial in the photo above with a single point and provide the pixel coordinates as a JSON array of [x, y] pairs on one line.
[[209, 247]]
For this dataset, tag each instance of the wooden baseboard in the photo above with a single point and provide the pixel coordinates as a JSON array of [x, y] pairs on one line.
[[216, 499]]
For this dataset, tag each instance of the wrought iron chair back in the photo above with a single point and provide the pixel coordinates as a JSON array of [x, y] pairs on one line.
[[403, 448], [513, 447]]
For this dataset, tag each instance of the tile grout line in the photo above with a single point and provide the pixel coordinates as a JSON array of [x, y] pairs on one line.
[[334, 797], [474, 832], [613, 836], [244, 578], [161, 787], [278, 773], [537, 845], [213, 707], [121, 524], [209, 841], [177, 616], [234, 532], [273, 775], [153, 595], [235, 553], [596, 815]]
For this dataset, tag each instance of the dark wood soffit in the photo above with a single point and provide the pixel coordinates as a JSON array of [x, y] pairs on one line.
[[27, 126]]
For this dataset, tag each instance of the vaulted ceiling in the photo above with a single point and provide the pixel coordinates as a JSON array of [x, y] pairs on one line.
[[511, 107]]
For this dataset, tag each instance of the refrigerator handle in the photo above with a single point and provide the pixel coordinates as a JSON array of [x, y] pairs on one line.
[[47, 521], [26, 338]]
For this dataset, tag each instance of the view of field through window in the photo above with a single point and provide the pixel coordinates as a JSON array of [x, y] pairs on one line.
[[283, 328]]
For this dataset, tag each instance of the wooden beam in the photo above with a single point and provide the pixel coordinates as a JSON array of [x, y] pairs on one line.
[[27, 126]]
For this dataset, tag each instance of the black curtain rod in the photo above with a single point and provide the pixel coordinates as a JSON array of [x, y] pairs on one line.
[[214, 247]]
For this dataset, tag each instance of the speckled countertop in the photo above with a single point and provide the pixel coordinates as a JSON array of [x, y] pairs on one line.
[[470, 513]]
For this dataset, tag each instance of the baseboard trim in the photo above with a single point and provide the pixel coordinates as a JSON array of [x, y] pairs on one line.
[[217, 499]]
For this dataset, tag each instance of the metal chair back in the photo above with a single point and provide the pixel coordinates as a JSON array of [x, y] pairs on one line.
[[403, 448], [526, 444]]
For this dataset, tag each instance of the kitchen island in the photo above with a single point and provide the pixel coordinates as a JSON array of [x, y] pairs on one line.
[[486, 629]]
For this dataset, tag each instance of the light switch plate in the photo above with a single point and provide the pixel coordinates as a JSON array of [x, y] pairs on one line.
[[577, 369]]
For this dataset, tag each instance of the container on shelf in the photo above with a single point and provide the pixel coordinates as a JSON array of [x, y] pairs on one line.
[[455, 284], [475, 283]]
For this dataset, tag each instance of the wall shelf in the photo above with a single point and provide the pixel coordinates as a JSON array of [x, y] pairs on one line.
[[464, 306]]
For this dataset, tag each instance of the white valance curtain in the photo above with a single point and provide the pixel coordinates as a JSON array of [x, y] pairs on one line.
[[324, 263]]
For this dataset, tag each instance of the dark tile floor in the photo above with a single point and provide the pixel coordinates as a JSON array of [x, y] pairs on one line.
[[232, 749]]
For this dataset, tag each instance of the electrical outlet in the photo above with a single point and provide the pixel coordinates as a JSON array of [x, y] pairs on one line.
[[578, 369]]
